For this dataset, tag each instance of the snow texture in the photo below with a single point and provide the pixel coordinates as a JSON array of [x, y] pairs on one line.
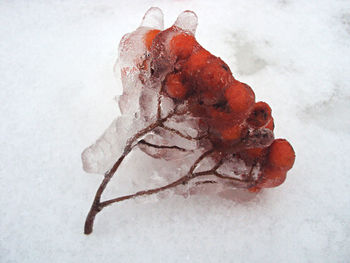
[[57, 85]]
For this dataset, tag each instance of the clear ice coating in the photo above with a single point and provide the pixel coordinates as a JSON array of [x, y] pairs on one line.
[[182, 135]]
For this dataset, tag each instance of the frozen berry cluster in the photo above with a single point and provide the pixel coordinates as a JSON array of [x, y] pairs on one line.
[[181, 104], [236, 123]]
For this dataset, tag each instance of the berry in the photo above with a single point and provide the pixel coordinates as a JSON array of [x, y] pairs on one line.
[[196, 61], [256, 152], [149, 36], [272, 177], [232, 133], [240, 97], [174, 86], [260, 115], [281, 154], [215, 76], [182, 45], [270, 125]]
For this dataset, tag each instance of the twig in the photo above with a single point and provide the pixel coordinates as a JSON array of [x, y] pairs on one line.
[[229, 178], [206, 182], [200, 158], [188, 137], [162, 146], [182, 180], [97, 205]]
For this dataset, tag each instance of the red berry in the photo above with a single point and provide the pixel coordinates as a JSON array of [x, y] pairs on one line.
[[175, 87], [240, 97], [182, 45], [232, 133], [270, 125], [215, 76], [281, 154], [272, 177], [256, 152], [260, 115], [149, 36], [196, 61]]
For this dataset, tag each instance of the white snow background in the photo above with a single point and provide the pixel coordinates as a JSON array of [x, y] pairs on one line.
[[56, 98]]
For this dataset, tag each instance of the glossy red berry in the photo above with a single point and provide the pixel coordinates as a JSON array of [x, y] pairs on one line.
[[149, 36], [240, 97], [281, 154], [272, 177], [174, 86], [182, 45], [260, 115]]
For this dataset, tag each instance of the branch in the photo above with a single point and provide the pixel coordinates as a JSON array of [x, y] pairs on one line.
[[95, 207], [183, 180]]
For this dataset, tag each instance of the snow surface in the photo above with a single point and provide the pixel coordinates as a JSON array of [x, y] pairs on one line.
[[57, 90]]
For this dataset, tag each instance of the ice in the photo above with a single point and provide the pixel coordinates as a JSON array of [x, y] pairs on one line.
[[141, 95], [153, 18], [187, 21], [138, 103]]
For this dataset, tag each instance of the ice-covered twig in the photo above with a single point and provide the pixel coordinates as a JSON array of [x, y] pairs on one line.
[[174, 147], [188, 137], [97, 205], [95, 208]]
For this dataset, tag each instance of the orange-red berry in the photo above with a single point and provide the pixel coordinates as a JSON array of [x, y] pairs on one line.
[[174, 86], [182, 45], [260, 115], [255, 152], [272, 177], [240, 97], [232, 133], [270, 125], [149, 36], [215, 76], [197, 60], [281, 154]]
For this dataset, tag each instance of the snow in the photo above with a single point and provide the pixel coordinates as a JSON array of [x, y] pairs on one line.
[[57, 89]]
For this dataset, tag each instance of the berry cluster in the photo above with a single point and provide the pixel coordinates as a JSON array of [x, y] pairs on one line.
[[236, 123], [169, 78]]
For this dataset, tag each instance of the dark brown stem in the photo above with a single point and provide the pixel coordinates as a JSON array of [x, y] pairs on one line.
[[162, 146], [229, 178], [182, 180], [95, 207], [206, 182], [200, 158], [188, 137]]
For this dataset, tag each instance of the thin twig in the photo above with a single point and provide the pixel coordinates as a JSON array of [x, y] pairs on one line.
[[95, 207], [188, 137], [229, 178], [206, 182], [183, 180], [159, 113], [162, 146], [200, 158]]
